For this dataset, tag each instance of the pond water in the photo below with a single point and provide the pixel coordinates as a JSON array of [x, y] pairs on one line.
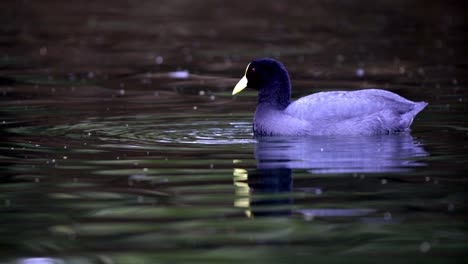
[[121, 142]]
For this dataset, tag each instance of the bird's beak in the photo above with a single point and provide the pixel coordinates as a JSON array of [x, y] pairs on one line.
[[242, 84]]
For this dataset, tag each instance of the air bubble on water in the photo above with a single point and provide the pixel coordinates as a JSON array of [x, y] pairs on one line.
[[360, 72], [88, 134], [65, 147], [387, 216], [425, 247], [159, 60], [53, 160], [212, 97], [195, 107], [201, 92], [122, 92], [65, 157]]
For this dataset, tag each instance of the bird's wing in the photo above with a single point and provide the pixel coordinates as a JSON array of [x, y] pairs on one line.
[[339, 106]]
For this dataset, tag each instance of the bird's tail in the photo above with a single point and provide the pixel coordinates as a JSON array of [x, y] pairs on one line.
[[407, 118]]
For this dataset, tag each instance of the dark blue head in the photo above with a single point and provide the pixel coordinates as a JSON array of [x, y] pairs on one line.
[[271, 79]]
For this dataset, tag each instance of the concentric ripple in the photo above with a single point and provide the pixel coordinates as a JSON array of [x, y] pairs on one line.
[[147, 129]]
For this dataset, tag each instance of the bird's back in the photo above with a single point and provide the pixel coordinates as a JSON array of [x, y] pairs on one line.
[[370, 111]]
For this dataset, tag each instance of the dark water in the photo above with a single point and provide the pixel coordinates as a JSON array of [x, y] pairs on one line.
[[121, 142]]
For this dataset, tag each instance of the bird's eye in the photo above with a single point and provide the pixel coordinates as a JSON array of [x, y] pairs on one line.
[[252, 69]]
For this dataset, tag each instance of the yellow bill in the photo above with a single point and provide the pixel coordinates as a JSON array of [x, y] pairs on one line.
[[242, 84]]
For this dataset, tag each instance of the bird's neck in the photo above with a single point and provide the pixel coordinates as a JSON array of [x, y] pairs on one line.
[[277, 93]]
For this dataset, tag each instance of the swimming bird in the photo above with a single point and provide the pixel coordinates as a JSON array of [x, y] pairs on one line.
[[361, 112]]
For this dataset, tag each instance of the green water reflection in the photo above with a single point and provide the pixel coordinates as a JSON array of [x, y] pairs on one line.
[[121, 142]]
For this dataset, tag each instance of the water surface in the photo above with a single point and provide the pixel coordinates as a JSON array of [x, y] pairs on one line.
[[121, 142]]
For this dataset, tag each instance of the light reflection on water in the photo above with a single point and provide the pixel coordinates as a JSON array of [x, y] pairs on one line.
[[384, 153]]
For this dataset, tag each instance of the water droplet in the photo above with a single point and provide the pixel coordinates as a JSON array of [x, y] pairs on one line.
[[159, 60], [360, 72], [179, 74], [425, 247]]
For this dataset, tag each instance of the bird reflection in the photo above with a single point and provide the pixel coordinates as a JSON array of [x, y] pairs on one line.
[[277, 157]]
